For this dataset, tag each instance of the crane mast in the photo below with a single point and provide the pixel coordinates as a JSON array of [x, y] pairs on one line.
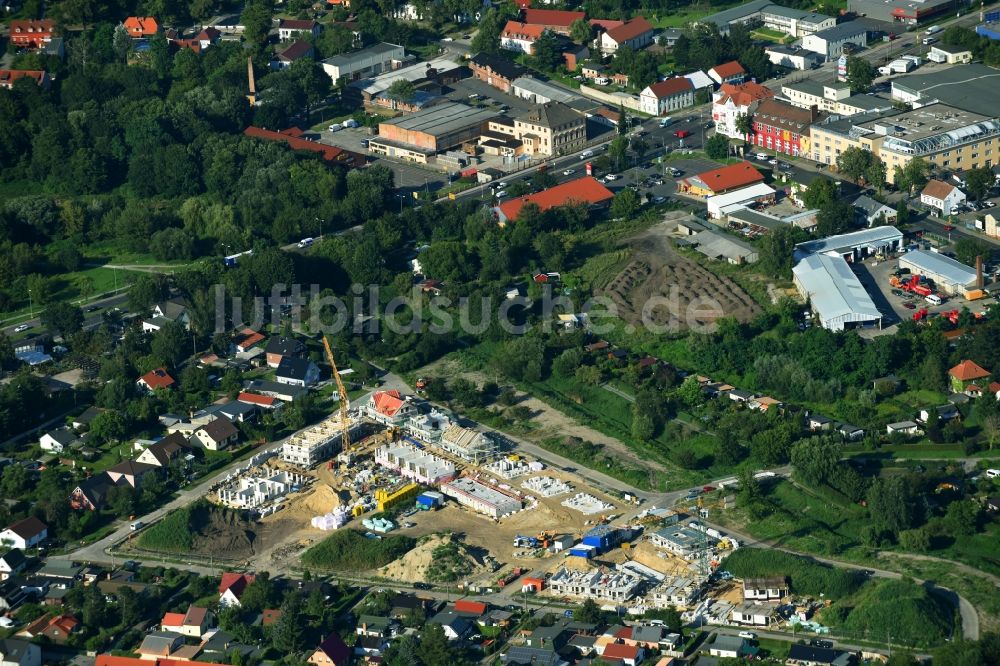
[[345, 434]]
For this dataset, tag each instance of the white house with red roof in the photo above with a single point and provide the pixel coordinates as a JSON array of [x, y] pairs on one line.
[[389, 408], [295, 28], [521, 37], [635, 34], [630, 655], [666, 96], [728, 72], [141, 26], [194, 623], [232, 587], [732, 101], [155, 379], [31, 33]]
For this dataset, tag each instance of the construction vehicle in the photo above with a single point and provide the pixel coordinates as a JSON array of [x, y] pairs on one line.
[[345, 430], [951, 316], [920, 314], [522, 541], [913, 285], [510, 576]]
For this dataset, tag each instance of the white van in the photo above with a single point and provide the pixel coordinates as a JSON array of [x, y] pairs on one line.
[[306, 242], [350, 122], [929, 40], [666, 121], [992, 473], [136, 526], [336, 127], [933, 299]]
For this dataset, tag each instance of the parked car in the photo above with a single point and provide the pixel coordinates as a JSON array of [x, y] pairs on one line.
[[22, 328], [659, 200], [909, 306], [611, 177], [336, 127], [676, 173], [569, 172], [820, 643], [749, 635], [585, 154]]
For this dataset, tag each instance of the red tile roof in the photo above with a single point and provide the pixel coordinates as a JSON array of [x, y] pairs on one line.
[[582, 190], [8, 76], [269, 616], [937, 189], [141, 26], [552, 17], [731, 177], [158, 378], [209, 34], [620, 651], [387, 403], [523, 31], [466, 606], [607, 24], [967, 371], [256, 399], [743, 94], [291, 137], [994, 387], [671, 87], [111, 660], [237, 582], [248, 338], [630, 30], [297, 24], [727, 69], [172, 620], [25, 31]]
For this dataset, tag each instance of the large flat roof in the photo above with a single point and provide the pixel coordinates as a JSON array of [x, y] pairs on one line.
[[536, 87], [973, 87], [833, 288], [939, 267], [741, 195], [443, 119], [727, 16], [845, 242], [412, 73], [344, 59]]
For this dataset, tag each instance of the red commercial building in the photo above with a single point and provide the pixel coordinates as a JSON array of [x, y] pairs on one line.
[[556, 20], [584, 190], [783, 128]]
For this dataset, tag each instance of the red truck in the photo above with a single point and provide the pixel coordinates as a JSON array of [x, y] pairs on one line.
[[682, 134]]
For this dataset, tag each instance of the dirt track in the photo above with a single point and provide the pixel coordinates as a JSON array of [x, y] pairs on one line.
[[676, 292]]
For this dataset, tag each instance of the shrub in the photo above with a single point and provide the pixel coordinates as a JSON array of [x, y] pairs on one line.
[[808, 577], [350, 549]]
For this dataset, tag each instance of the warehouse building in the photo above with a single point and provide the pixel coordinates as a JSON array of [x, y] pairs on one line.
[[973, 87], [855, 245], [605, 537], [834, 292], [481, 498], [949, 276], [905, 12], [367, 62], [414, 463], [719, 246], [722, 204], [830, 42], [417, 136]]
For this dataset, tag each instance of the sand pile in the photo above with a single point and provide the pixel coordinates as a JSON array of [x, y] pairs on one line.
[[437, 558]]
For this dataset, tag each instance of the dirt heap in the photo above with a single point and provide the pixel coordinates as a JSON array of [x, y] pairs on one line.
[[687, 294], [436, 558], [224, 534]]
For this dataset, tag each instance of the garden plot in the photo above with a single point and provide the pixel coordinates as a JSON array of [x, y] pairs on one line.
[[587, 504], [547, 486]]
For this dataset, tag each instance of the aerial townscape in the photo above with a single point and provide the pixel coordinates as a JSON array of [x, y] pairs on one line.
[[499, 332]]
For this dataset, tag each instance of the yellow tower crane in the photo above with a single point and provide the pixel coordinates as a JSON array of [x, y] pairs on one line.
[[345, 434]]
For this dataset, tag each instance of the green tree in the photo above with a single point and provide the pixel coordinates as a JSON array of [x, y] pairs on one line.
[[643, 427], [487, 38], [108, 426], [892, 505], [288, 633], [912, 176], [744, 125], [860, 74], [967, 249], [145, 291], [256, 19], [589, 612], [581, 31], [625, 204], [717, 147], [402, 90], [978, 182], [821, 192], [834, 218], [777, 249], [856, 163], [917, 540], [546, 52], [962, 518], [170, 344], [62, 318], [434, 648], [815, 460]]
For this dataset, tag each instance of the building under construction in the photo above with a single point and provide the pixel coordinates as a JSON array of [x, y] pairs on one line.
[[319, 442]]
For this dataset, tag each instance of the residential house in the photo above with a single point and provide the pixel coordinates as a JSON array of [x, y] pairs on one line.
[[520, 37], [296, 28], [158, 644], [163, 452], [155, 379], [9, 76], [630, 655], [372, 625], [260, 401], [404, 605], [792, 57], [194, 623], [732, 101], [83, 421], [783, 127], [754, 614], [868, 211], [13, 593], [265, 387], [808, 655], [333, 651], [25, 533], [966, 374], [279, 347], [818, 423], [728, 646], [56, 629], [944, 413], [455, 625], [14, 652], [942, 196], [295, 51], [551, 129], [666, 96], [91, 493], [635, 34], [31, 33], [902, 428], [495, 71], [58, 440], [557, 21], [12, 562], [232, 586], [216, 435], [850, 432], [248, 338], [297, 372], [237, 412], [139, 27], [130, 472], [728, 72], [765, 588], [389, 408]]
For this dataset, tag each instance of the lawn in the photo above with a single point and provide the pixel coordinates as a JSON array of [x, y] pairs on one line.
[[979, 550], [772, 36], [77, 288]]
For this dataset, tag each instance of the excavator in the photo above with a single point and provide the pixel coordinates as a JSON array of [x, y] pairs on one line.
[[345, 431]]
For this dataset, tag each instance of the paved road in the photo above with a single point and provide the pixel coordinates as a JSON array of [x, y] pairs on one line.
[[90, 320]]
